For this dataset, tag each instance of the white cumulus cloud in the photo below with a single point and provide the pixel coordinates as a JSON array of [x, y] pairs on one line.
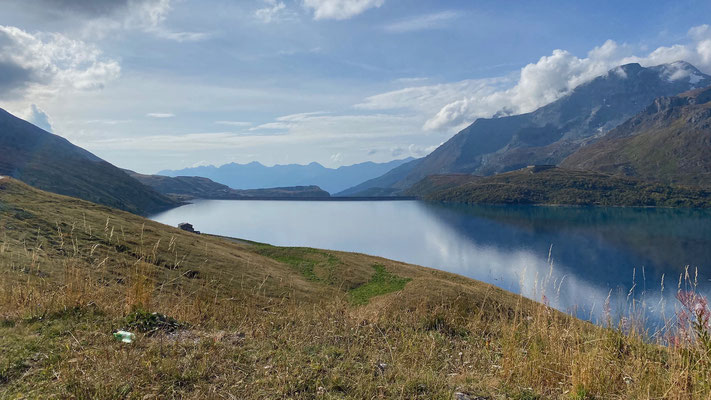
[[271, 12], [45, 63], [148, 16], [38, 117], [340, 9], [452, 106]]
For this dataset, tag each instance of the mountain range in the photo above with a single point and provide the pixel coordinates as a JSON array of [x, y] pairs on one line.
[[255, 175], [551, 133], [50, 162], [647, 125], [184, 188]]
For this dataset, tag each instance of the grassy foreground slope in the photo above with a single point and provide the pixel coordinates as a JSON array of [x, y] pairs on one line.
[[558, 186], [248, 320]]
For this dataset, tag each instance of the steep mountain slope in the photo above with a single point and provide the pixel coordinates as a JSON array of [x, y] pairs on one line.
[[52, 163], [551, 133], [669, 142], [255, 175], [382, 185], [195, 187]]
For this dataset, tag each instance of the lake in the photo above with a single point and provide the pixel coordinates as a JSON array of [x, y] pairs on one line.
[[573, 258]]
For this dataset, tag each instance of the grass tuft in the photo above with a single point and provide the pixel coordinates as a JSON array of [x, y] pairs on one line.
[[382, 282]]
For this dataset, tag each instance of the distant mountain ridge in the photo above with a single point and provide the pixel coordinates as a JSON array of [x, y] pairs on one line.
[[255, 175], [194, 187], [50, 162], [669, 142], [551, 133]]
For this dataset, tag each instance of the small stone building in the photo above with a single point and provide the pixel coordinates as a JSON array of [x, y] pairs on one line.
[[187, 227]]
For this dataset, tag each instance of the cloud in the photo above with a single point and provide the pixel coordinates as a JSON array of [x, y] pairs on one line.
[[430, 98], [106, 16], [409, 81], [201, 163], [38, 117], [412, 150], [234, 123], [300, 116], [321, 125], [288, 121], [108, 121], [101, 17], [193, 141], [160, 115], [273, 10], [452, 106], [422, 22], [92, 8], [45, 63], [340, 9]]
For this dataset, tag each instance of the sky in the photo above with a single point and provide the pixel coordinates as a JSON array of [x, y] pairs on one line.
[[167, 84]]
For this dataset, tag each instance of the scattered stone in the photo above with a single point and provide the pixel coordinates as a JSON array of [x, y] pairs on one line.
[[187, 227]]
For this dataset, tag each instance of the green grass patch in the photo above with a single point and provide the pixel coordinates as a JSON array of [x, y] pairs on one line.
[[382, 282], [305, 260]]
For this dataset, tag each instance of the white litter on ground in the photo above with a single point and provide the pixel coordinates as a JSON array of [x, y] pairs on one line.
[[126, 337]]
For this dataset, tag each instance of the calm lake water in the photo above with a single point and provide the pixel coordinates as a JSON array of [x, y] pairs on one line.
[[575, 257]]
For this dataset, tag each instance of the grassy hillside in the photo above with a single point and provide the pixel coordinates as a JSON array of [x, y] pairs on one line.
[[51, 163], [437, 183], [669, 142], [557, 186], [237, 319]]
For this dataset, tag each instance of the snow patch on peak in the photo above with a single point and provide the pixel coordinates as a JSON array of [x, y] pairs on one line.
[[681, 70], [695, 78]]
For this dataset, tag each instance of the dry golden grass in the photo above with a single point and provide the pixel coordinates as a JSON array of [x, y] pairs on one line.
[[268, 322]]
